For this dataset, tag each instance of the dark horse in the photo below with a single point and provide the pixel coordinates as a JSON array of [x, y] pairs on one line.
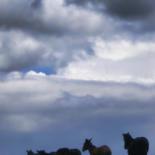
[[135, 146], [61, 151], [67, 151], [42, 152], [93, 150], [30, 152]]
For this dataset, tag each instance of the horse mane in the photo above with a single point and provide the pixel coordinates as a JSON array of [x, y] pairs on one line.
[[92, 145]]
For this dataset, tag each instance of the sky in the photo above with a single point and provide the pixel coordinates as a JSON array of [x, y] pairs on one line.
[[76, 69]]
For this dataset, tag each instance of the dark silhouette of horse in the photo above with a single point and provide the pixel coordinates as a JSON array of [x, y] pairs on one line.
[[30, 152], [135, 146], [43, 152], [75, 152], [93, 150], [67, 151], [61, 151]]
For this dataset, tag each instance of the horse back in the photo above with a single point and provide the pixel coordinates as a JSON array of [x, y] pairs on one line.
[[142, 142], [75, 152], [139, 146], [102, 150]]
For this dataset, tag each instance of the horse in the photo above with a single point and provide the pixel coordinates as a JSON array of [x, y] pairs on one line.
[[63, 151], [135, 146], [42, 152], [75, 152], [67, 151], [93, 150], [30, 152]]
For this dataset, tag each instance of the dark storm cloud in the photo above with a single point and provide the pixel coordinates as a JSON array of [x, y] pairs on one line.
[[18, 15], [128, 9], [36, 3], [80, 2], [133, 16]]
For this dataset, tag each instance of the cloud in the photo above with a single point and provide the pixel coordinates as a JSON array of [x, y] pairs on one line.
[[19, 51], [71, 35], [24, 51], [50, 18], [36, 3], [130, 9], [70, 58], [124, 9], [39, 37], [118, 60], [74, 109], [134, 16]]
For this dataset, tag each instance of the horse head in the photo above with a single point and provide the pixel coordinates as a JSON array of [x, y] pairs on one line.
[[87, 144], [127, 140]]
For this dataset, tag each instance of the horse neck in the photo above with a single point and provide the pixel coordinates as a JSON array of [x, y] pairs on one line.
[[91, 148], [129, 140]]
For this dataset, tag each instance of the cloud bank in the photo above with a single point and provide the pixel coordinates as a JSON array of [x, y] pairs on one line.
[[34, 114]]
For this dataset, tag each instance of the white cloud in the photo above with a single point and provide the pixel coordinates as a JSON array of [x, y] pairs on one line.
[[70, 18], [14, 76], [119, 49], [115, 60], [33, 74]]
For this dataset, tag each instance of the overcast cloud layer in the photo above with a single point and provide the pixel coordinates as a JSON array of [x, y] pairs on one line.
[[53, 116], [74, 69]]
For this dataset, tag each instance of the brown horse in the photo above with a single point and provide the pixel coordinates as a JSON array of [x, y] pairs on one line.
[[93, 150]]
